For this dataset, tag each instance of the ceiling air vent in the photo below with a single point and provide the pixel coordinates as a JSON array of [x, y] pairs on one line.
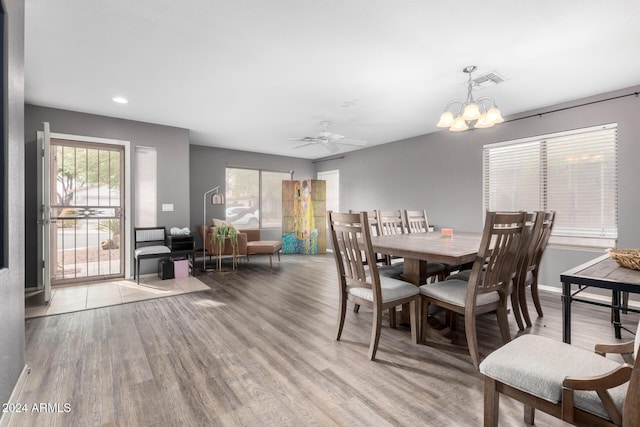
[[486, 80]]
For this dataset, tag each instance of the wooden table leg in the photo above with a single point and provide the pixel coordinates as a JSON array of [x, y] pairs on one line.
[[415, 271], [411, 274]]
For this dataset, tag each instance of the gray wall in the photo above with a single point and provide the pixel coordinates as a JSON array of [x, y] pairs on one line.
[[207, 168], [442, 172], [172, 146], [12, 349]]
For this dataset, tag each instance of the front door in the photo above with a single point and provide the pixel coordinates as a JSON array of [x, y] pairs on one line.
[[87, 200]]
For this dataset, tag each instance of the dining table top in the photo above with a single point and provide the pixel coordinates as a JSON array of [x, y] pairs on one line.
[[461, 248]]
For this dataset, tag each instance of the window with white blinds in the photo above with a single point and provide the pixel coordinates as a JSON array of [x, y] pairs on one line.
[[574, 173], [146, 187]]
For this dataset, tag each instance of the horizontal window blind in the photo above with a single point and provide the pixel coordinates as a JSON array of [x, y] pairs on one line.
[[574, 173]]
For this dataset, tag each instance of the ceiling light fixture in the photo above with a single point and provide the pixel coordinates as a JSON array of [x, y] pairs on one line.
[[472, 113], [120, 100]]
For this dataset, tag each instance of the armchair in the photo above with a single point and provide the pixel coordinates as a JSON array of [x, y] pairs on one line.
[[567, 382]]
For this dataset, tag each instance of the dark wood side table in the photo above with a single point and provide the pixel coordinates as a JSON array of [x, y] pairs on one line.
[[602, 272], [183, 245]]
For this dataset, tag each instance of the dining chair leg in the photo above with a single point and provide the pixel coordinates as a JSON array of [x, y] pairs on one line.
[[413, 306], [524, 308], [392, 317], [536, 296], [420, 314], [451, 319], [529, 415], [342, 312], [375, 333], [472, 338], [516, 295], [503, 323], [491, 403]]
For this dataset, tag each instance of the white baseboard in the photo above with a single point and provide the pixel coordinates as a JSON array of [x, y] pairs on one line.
[[587, 295], [6, 416]]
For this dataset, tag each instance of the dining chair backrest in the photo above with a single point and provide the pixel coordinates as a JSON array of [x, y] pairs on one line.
[[529, 242], [496, 261], [351, 237], [374, 228], [416, 221], [547, 228], [391, 222], [374, 223]]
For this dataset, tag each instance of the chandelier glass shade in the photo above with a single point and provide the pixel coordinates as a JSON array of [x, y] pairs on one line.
[[478, 113]]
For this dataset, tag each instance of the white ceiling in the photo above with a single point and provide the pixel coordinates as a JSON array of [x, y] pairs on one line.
[[248, 74]]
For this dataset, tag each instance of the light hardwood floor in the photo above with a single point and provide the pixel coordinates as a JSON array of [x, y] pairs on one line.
[[258, 349]]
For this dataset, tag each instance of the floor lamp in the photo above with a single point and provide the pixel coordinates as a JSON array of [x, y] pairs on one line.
[[216, 199]]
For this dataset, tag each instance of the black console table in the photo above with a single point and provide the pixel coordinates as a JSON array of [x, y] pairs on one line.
[[602, 272]]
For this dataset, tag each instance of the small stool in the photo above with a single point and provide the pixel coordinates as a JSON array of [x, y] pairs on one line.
[[264, 247]]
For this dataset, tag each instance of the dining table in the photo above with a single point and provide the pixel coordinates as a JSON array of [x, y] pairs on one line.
[[418, 248]]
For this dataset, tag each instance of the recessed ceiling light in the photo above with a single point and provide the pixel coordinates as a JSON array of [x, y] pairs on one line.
[[120, 100]]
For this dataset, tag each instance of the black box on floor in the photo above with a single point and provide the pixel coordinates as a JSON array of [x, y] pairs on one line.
[[165, 269]]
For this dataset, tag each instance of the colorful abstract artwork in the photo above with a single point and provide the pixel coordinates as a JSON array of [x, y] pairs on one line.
[[303, 216]]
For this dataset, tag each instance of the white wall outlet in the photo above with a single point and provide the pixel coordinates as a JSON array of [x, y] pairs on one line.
[[167, 207]]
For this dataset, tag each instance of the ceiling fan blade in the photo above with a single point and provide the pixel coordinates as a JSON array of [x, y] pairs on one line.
[[306, 138], [336, 136], [354, 142], [303, 145]]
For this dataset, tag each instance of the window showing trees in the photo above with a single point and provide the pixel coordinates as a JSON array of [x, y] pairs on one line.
[[573, 173], [254, 197]]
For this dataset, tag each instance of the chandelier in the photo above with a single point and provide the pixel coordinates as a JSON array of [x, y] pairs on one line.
[[471, 113]]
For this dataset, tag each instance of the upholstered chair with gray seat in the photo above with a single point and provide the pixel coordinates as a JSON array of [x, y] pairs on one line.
[[578, 386], [488, 287], [359, 281], [531, 236]]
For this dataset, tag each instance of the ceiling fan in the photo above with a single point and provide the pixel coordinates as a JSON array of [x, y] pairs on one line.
[[328, 139]]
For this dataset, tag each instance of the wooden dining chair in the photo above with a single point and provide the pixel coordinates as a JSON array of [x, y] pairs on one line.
[[374, 225], [359, 281], [487, 289], [578, 386], [391, 222], [530, 237], [529, 278], [416, 221]]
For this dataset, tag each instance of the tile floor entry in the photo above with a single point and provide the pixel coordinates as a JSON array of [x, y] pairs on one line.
[[66, 299]]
